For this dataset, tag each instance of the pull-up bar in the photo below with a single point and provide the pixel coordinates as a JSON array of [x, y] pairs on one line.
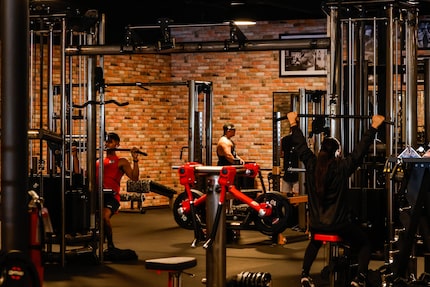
[[127, 149], [356, 117]]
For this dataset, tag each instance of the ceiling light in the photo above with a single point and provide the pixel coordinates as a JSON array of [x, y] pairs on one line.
[[244, 22], [237, 3]]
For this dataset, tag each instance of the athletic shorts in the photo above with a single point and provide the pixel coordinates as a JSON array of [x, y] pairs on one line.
[[111, 203]]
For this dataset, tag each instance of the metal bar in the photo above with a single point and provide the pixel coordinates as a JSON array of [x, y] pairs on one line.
[[357, 117], [63, 139], [192, 104], [276, 144], [214, 46], [149, 84], [142, 27], [427, 100], [296, 169], [411, 78], [368, 2], [127, 149], [209, 124], [102, 123]]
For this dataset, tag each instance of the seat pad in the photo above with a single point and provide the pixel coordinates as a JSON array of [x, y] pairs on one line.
[[175, 263]]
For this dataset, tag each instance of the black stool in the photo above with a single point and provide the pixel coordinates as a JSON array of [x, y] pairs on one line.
[[338, 259], [175, 266]]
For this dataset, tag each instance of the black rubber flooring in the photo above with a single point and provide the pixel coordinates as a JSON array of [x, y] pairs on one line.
[[155, 234]]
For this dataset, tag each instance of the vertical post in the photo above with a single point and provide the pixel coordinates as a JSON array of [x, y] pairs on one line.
[[335, 68], [411, 121], [191, 119], [91, 112], [304, 126], [276, 170], [216, 252], [63, 135], [427, 99], [14, 25], [208, 125], [101, 140], [390, 129]]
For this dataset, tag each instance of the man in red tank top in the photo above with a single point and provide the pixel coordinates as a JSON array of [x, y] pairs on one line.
[[114, 168]]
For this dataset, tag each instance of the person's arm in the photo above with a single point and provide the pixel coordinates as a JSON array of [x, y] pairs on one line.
[[132, 171], [360, 150], [241, 161]]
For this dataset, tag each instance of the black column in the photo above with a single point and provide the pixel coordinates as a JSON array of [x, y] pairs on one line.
[[14, 17]]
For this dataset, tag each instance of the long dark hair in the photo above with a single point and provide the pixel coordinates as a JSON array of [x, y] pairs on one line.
[[326, 156]]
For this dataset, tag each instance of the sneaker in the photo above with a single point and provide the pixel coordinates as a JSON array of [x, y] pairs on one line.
[[359, 281], [307, 282]]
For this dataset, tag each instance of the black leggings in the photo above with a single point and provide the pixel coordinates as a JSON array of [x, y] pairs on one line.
[[351, 234]]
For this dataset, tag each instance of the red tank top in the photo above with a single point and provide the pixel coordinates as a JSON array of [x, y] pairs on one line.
[[111, 174]]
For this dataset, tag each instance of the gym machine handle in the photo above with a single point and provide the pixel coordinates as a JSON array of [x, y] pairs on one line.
[[127, 149], [100, 103]]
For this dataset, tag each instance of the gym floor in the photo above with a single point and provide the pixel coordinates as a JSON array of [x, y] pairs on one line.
[[155, 234]]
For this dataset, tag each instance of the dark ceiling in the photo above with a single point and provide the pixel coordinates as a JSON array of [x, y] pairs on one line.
[[120, 14], [198, 11]]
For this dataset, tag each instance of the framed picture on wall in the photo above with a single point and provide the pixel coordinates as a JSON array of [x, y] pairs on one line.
[[303, 62], [423, 33]]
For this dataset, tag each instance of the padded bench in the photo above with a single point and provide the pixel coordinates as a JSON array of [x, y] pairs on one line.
[[175, 266]]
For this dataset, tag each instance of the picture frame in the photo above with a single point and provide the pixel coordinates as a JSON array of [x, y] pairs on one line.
[[303, 62], [423, 33]]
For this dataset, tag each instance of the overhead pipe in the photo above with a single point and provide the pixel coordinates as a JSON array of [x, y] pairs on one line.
[[200, 47], [374, 2]]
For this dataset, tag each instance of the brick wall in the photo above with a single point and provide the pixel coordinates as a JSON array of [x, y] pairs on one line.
[[243, 82], [156, 118]]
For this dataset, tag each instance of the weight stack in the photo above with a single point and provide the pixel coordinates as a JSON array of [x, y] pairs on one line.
[[250, 279], [77, 212]]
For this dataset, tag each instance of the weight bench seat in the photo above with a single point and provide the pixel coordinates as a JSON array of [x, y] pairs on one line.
[[334, 238], [338, 277], [171, 263], [175, 266]]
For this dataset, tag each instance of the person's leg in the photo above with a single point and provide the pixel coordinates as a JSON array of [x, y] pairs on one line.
[[311, 253], [360, 242], [107, 214], [296, 188], [285, 186], [111, 206], [289, 188]]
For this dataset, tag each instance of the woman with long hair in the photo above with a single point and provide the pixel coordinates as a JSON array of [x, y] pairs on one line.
[[327, 176]]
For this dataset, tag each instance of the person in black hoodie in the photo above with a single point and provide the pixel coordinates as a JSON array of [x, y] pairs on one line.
[[327, 176]]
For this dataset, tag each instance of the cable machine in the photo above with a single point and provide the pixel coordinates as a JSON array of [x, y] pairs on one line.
[[54, 126], [67, 108], [374, 71]]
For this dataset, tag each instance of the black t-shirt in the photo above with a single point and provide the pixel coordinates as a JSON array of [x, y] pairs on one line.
[[291, 159]]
